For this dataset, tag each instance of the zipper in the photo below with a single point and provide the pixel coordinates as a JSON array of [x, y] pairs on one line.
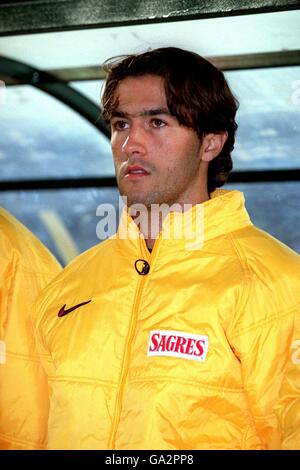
[[130, 336]]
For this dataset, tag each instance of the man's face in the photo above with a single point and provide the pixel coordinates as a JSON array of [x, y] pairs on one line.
[[157, 160]]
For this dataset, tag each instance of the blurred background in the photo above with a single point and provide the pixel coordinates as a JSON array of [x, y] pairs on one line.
[[55, 158]]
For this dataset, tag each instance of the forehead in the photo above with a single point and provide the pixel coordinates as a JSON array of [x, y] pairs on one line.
[[136, 93]]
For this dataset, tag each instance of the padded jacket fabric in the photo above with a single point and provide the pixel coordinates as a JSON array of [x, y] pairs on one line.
[[26, 267], [195, 354]]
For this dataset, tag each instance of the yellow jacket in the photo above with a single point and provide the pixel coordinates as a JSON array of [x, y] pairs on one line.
[[191, 355], [26, 267]]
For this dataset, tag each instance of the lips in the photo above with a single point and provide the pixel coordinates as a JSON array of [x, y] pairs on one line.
[[135, 171]]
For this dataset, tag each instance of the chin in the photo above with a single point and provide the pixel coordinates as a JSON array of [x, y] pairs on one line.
[[137, 201], [145, 197]]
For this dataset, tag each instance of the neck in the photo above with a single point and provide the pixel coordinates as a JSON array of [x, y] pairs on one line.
[[150, 222]]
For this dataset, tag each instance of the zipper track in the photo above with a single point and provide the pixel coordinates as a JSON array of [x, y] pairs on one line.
[[127, 352]]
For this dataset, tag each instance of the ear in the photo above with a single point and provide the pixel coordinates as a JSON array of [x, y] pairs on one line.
[[212, 145]]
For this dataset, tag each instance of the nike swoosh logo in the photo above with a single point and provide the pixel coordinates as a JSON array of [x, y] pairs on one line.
[[64, 312]]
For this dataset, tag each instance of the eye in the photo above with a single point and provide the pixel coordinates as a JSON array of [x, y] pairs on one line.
[[119, 125], [157, 122]]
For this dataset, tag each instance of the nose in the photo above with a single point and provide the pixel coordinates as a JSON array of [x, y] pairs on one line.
[[135, 142]]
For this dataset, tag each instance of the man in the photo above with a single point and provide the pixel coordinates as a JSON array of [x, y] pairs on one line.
[[165, 336], [26, 266]]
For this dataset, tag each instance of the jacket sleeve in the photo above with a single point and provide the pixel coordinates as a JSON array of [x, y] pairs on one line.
[[264, 333], [264, 353], [288, 408], [23, 382]]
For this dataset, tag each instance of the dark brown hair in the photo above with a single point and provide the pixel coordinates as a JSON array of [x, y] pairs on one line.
[[197, 95]]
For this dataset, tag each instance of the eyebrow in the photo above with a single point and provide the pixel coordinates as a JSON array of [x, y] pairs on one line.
[[145, 112]]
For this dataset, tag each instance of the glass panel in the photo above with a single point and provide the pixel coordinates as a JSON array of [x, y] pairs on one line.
[[43, 138], [70, 228], [243, 34], [66, 229], [268, 118], [275, 208], [92, 89]]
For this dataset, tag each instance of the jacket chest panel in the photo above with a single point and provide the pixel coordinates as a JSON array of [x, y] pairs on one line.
[[90, 341], [196, 302]]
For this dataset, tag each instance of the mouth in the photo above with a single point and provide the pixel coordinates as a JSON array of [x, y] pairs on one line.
[[135, 172]]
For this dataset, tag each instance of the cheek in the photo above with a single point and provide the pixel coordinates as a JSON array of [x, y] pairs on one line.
[[116, 155], [116, 149], [117, 141], [173, 153], [114, 146]]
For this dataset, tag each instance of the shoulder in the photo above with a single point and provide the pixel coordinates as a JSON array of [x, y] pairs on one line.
[[264, 255], [88, 260], [79, 279], [271, 282]]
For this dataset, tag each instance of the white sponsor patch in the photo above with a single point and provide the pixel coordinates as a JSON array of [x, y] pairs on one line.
[[178, 344]]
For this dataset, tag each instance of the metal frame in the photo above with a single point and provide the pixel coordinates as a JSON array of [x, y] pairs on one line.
[[233, 62], [61, 15], [110, 182], [12, 70]]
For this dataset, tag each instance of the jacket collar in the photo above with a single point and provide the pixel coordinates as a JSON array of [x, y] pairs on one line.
[[224, 212]]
